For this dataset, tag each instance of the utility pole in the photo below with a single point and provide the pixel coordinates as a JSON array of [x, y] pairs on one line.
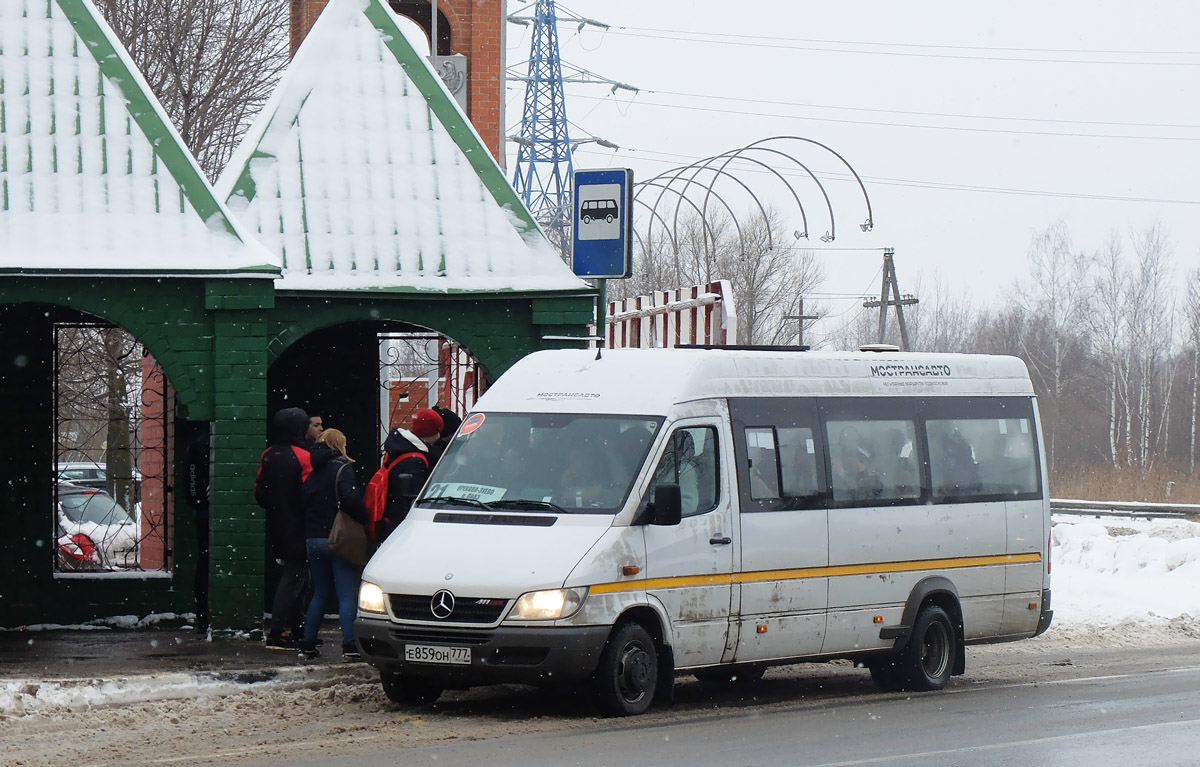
[[890, 285], [801, 317]]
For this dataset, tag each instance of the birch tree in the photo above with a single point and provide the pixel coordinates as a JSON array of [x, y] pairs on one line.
[[1150, 310], [1192, 321], [1057, 291], [1110, 330]]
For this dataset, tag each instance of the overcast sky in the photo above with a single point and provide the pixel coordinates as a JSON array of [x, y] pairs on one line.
[[972, 125]]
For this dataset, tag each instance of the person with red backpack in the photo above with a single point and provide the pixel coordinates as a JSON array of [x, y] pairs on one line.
[[406, 451]]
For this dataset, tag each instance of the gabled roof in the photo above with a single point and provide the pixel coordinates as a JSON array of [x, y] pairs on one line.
[[93, 178], [362, 173]]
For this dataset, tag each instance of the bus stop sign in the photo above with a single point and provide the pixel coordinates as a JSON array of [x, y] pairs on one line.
[[602, 222]]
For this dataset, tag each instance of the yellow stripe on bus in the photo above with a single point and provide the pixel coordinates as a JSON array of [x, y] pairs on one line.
[[759, 576]]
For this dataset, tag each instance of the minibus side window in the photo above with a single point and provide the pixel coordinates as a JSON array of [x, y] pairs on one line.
[[873, 461], [798, 462], [780, 456], [690, 461], [981, 457], [763, 462]]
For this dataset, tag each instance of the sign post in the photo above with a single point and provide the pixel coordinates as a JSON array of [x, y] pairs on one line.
[[602, 224]]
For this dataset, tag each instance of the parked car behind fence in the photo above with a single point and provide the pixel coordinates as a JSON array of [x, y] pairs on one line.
[[94, 531]]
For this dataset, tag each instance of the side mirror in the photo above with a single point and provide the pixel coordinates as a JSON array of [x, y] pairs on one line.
[[407, 485], [668, 505]]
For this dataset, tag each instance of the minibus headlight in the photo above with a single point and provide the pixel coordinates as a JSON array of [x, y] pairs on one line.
[[548, 605], [370, 598]]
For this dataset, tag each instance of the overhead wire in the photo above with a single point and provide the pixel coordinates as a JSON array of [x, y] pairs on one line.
[[920, 184], [893, 124], [726, 35], [759, 44]]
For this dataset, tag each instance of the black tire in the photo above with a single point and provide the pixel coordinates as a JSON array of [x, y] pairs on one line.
[[408, 690], [926, 662], [609, 218], [728, 675], [886, 674], [587, 219], [625, 680]]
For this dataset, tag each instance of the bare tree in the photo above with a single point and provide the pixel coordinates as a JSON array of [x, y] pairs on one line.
[[1192, 320], [767, 276], [944, 321], [1109, 327], [1150, 310], [1057, 291], [212, 63]]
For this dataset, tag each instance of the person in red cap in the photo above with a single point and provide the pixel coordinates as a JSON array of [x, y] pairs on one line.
[[411, 447]]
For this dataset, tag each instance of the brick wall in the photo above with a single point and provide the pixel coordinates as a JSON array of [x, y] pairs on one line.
[[477, 31]]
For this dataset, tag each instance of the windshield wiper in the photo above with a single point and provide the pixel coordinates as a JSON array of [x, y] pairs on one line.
[[455, 499], [529, 504]]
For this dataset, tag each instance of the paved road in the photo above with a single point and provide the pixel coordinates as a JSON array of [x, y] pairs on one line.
[[1141, 717]]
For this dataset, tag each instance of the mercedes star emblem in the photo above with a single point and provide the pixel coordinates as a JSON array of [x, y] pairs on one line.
[[442, 604]]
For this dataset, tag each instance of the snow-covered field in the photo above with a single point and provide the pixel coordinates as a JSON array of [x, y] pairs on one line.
[[1115, 582]]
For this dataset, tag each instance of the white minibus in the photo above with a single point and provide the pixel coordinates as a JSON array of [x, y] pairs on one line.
[[621, 518]]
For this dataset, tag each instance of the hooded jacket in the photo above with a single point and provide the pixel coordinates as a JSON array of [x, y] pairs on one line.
[[400, 441], [328, 485], [281, 473]]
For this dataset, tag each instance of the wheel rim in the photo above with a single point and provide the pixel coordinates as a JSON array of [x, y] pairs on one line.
[[635, 673], [935, 656]]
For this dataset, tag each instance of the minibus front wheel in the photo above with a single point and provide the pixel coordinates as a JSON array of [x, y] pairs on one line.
[[408, 690], [627, 676]]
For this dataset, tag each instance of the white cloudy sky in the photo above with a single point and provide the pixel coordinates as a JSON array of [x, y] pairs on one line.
[[973, 125]]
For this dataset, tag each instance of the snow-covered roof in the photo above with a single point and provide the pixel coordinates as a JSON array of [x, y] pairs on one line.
[[93, 177], [362, 173]]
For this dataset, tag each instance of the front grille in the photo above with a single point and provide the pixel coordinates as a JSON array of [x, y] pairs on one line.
[[438, 635], [417, 607]]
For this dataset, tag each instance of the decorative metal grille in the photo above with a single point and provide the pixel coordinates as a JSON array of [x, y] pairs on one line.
[[419, 370], [112, 436]]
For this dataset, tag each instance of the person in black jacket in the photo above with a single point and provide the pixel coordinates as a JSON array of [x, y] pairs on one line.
[[281, 473], [450, 424], [196, 472], [329, 488], [412, 447]]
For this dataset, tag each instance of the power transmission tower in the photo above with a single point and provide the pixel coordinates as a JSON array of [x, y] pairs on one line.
[[890, 286], [542, 176]]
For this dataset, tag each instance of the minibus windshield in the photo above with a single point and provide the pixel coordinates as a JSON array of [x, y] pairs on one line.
[[542, 462]]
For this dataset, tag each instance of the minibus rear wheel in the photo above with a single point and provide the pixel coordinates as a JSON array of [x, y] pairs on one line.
[[627, 676], [926, 661], [408, 690], [928, 658]]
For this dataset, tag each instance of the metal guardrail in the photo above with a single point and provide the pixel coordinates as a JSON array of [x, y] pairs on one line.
[[1189, 511]]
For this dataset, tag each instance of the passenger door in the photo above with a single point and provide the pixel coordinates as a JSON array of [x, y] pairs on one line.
[[784, 529], [689, 566]]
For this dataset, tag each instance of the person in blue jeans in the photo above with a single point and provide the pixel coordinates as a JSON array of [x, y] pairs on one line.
[[331, 485]]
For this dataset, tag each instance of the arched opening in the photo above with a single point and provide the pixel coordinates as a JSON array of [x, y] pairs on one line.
[[422, 13], [112, 451], [90, 519], [366, 377]]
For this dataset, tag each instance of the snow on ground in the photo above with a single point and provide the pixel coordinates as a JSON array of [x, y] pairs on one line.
[[1125, 580], [1114, 582], [19, 697]]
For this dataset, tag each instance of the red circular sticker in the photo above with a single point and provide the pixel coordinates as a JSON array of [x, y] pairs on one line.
[[471, 424]]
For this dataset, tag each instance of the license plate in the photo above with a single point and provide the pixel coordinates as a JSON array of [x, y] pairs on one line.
[[425, 653]]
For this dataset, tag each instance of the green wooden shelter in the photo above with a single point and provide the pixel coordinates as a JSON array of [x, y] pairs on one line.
[[361, 201]]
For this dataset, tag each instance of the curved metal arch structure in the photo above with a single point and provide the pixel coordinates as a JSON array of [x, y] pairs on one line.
[[702, 177]]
